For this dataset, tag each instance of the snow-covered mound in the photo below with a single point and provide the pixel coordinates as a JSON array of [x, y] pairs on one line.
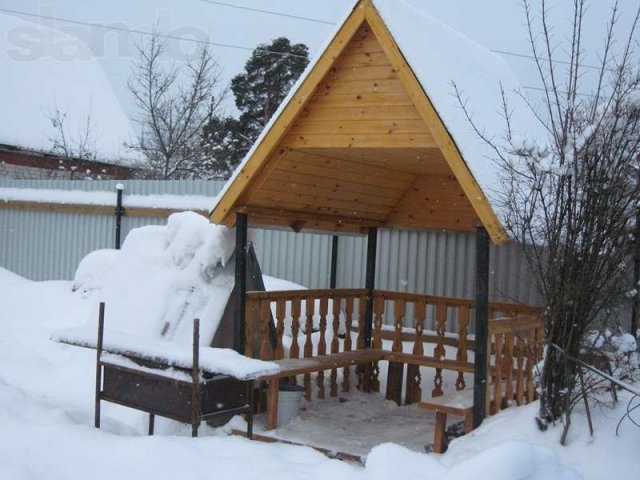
[[162, 278], [43, 69]]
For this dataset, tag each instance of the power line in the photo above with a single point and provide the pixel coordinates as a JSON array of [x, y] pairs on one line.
[[541, 89], [233, 46], [316, 20], [532, 57], [268, 12], [143, 32]]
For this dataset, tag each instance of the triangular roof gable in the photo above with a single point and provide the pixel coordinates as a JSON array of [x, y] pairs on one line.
[[268, 151]]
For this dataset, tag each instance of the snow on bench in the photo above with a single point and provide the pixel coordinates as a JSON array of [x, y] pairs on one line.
[[212, 360]]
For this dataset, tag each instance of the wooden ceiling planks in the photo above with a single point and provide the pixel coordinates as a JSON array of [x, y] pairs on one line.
[[358, 145]]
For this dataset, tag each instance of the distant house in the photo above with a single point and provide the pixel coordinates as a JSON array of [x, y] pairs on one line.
[[22, 163], [41, 84]]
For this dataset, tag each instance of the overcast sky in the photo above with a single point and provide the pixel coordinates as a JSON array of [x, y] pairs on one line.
[[497, 24]]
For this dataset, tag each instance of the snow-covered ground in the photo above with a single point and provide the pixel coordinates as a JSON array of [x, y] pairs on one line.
[[46, 406]]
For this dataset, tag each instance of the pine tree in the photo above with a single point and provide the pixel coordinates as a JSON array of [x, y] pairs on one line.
[[269, 74]]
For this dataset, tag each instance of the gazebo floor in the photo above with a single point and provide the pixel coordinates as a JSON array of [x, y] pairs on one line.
[[350, 425]]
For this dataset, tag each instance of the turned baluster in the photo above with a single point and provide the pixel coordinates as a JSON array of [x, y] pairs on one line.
[[346, 381], [265, 319], [335, 346], [281, 312], [294, 351], [461, 355], [308, 344], [413, 392], [322, 343], [439, 350]]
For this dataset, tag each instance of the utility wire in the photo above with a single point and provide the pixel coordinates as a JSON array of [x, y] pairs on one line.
[[268, 12], [229, 45], [144, 32], [317, 20]]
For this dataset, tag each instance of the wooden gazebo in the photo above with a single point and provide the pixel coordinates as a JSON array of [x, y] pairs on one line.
[[359, 145]]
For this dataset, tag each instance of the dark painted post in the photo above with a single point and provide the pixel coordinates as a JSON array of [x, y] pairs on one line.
[[98, 395], [119, 213], [241, 282], [334, 262], [370, 277], [482, 327], [368, 372]]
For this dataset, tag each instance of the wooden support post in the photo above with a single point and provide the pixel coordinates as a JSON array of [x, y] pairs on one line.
[[271, 421], [370, 278], [119, 213], [152, 419], [241, 282], [482, 327], [99, 365], [333, 278], [440, 431]]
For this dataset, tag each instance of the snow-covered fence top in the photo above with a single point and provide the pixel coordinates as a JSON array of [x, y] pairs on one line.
[[101, 202], [211, 360]]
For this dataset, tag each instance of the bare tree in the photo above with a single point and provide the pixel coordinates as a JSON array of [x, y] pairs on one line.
[[80, 145], [174, 105], [571, 202]]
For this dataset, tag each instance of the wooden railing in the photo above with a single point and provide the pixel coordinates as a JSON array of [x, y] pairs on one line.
[[317, 322], [434, 329], [516, 347]]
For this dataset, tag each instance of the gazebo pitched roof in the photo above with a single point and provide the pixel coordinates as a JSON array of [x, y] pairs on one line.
[[370, 136]]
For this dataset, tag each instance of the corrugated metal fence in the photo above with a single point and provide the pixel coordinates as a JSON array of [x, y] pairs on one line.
[[45, 245]]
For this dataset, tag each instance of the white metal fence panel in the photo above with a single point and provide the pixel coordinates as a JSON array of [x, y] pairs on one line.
[[47, 245]]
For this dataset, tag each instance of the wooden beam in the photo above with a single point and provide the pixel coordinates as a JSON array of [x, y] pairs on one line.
[[481, 347], [289, 216], [274, 219]]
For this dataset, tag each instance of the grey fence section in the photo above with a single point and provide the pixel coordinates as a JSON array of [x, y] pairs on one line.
[[43, 246], [434, 263]]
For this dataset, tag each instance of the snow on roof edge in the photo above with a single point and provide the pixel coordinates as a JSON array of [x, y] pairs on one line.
[[410, 25]]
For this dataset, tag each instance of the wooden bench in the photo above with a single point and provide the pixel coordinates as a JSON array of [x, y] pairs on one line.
[[290, 367], [455, 403]]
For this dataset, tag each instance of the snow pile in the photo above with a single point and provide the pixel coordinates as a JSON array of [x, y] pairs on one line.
[[161, 279], [211, 360], [43, 70], [506, 461], [618, 351]]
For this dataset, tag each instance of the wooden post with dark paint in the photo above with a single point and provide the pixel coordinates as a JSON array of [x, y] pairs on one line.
[[370, 278], [481, 362], [119, 213], [368, 370], [333, 278], [241, 282]]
